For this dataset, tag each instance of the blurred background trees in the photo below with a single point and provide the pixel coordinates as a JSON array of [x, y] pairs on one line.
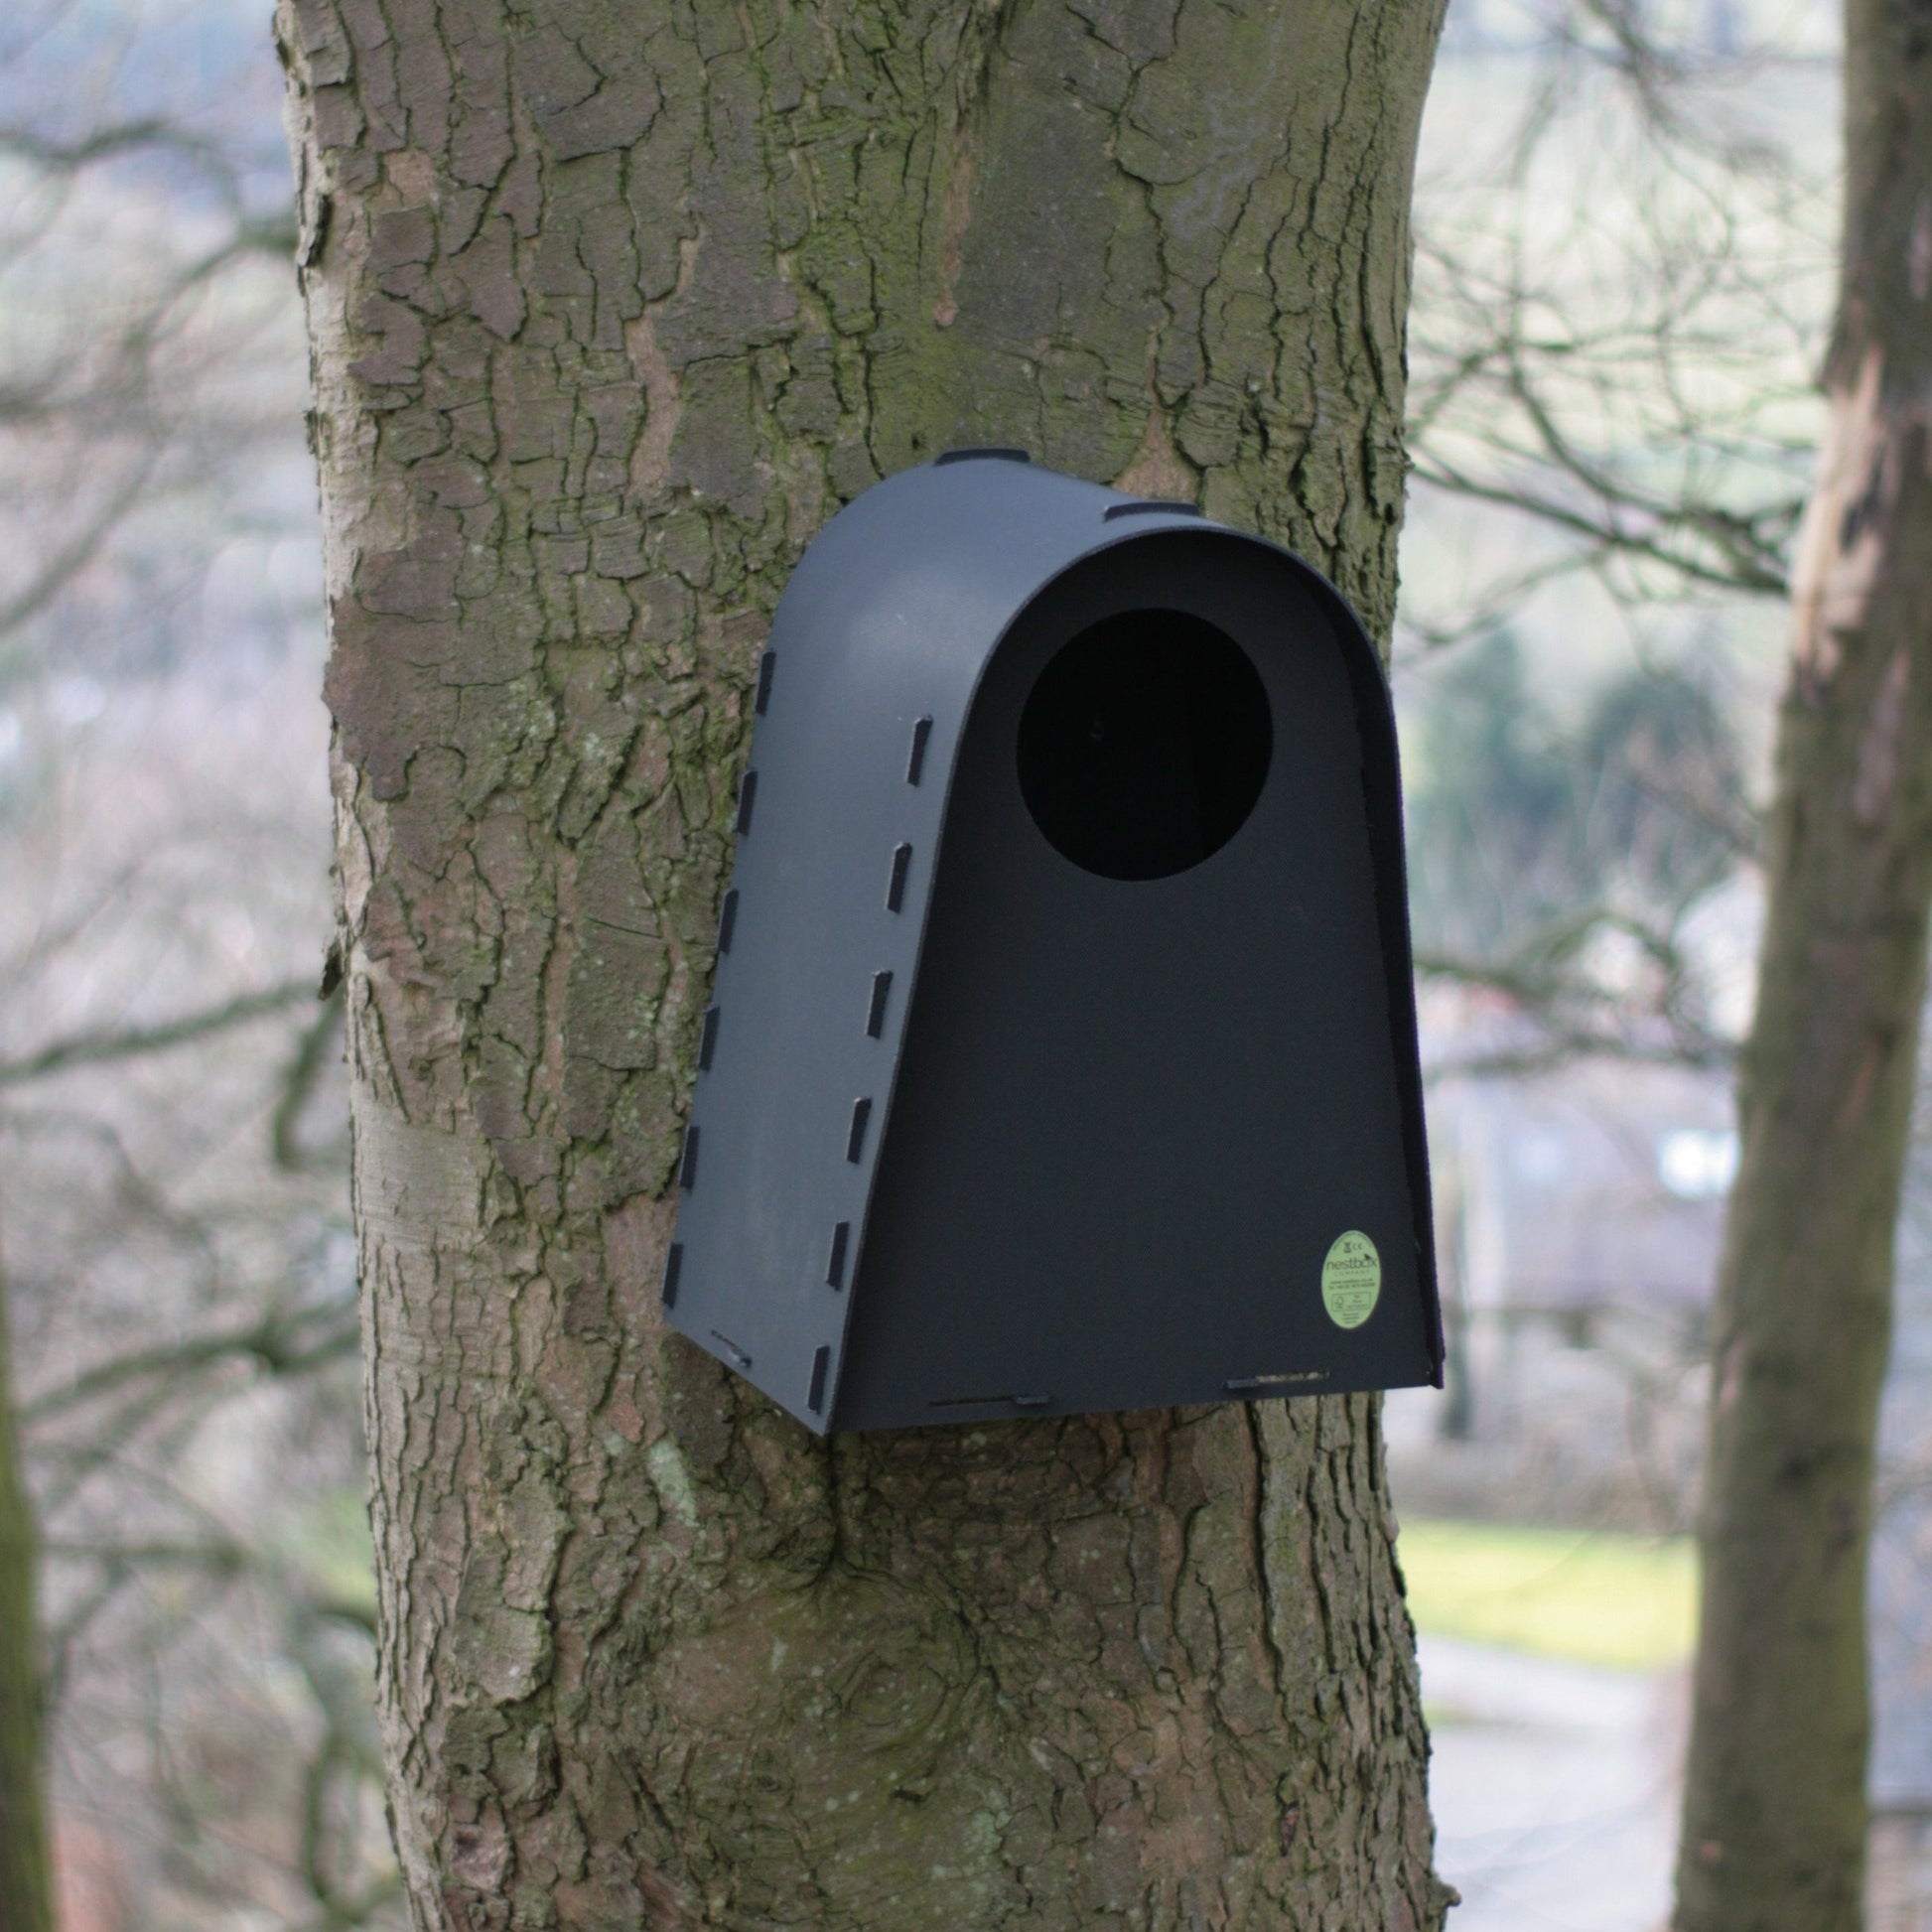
[[1626, 244], [1533, 836], [173, 1218], [1621, 398], [1623, 278]]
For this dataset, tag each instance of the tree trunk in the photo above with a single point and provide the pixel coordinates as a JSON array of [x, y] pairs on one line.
[[609, 308], [26, 1881], [1774, 1812]]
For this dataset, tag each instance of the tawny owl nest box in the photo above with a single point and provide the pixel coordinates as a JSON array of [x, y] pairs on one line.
[[1064, 1053]]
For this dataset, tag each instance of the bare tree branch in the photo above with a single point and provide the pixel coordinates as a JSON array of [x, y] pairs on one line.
[[75, 555], [284, 1342], [95, 1048]]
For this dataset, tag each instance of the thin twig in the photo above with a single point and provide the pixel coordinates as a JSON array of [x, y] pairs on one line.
[[131, 1042]]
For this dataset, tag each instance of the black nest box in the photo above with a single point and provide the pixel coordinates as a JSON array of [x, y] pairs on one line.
[[1064, 1053]]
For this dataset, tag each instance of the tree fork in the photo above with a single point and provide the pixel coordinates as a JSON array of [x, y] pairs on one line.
[[609, 308], [1775, 1813]]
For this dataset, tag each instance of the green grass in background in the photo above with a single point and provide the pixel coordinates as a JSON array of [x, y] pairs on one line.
[[1593, 1596]]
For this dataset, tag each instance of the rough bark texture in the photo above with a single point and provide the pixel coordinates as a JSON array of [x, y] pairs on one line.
[[610, 306], [26, 1880], [1774, 1820]]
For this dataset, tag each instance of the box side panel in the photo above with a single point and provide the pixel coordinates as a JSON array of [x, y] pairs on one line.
[[875, 652]]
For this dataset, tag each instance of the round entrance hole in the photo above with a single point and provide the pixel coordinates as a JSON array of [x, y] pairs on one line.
[[1143, 745]]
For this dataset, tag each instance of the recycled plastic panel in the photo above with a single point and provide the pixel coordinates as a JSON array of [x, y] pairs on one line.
[[1087, 1104]]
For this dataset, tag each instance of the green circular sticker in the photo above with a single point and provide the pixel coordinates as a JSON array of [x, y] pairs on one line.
[[1351, 1280]]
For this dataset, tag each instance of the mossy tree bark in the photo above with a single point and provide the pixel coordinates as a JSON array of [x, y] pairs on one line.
[[610, 306], [1774, 1816], [26, 1879]]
